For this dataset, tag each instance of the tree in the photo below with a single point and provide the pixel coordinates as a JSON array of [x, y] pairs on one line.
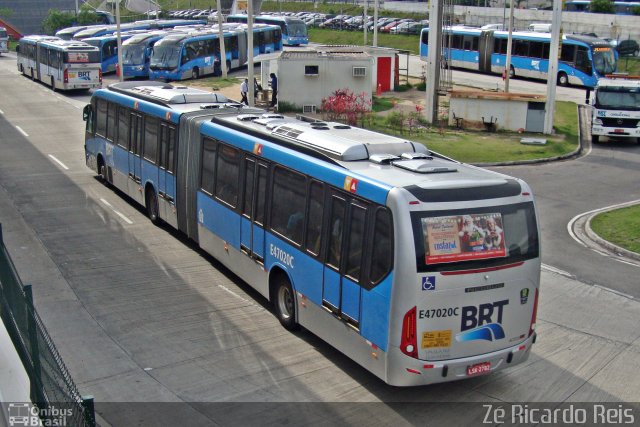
[[57, 20], [345, 106], [601, 6], [5, 12]]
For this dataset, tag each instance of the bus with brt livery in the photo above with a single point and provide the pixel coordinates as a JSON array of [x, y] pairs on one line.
[[61, 64], [583, 59], [195, 54], [418, 267], [294, 30]]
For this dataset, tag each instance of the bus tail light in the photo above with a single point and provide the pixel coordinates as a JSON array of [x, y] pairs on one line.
[[100, 75], [66, 75], [534, 315], [408, 342]]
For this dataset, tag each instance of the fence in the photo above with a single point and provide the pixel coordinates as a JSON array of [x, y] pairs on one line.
[[53, 391]]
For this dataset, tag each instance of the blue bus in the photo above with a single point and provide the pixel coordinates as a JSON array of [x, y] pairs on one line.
[[191, 55], [136, 53], [150, 24], [583, 59], [419, 268], [294, 30], [108, 46]]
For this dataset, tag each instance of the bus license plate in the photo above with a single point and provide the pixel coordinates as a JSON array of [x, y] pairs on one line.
[[479, 368], [618, 131]]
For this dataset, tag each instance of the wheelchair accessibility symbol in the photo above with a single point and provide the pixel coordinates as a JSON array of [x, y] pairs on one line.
[[429, 283]]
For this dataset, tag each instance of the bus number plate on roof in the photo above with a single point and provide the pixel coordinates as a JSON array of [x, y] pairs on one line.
[[350, 184]]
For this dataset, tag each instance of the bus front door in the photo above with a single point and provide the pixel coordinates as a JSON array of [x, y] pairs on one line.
[[166, 177], [341, 291], [135, 163], [253, 209]]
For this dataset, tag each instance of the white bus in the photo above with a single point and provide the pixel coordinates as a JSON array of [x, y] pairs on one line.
[[420, 268], [4, 41], [61, 64]]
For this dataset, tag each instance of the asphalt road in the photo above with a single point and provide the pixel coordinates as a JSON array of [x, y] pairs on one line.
[[140, 315]]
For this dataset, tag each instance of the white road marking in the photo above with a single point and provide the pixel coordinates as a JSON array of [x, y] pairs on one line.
[[120, 214], [22, 131], [622, 294], [558, 271], [65, 167], [606, 208]]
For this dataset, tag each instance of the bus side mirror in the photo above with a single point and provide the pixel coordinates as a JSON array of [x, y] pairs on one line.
[[587, 98], [86, 112]]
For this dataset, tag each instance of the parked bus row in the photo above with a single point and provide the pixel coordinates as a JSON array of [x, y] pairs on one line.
[[583, 59], [294, 30], [83, 32], [419, 268]]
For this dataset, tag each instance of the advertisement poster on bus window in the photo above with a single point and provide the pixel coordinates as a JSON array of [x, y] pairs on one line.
[[78, 57], [463, 237]]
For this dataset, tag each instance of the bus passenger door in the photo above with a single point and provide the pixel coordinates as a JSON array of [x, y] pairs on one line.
[[332, 286], [253, 209], [135, 164], [341, 289], [166, 178]]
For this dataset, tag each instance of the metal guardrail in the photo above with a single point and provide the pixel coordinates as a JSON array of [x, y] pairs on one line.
[[53, 393]]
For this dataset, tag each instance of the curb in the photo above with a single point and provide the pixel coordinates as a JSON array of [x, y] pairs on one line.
[[605, 243]]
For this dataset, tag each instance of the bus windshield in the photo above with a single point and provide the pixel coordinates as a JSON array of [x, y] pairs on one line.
[[133, 54], [165, 57], [475, 238], [618, 98], [604, 61], [297, 29], [3, 34]]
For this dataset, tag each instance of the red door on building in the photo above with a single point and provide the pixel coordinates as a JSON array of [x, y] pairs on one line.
[[384, 73]]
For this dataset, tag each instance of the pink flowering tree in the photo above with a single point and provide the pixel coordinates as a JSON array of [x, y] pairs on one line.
[[345, 106]]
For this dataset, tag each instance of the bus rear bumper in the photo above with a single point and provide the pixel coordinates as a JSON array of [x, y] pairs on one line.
[[406, 371]]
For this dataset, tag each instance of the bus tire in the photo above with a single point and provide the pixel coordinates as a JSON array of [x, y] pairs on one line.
[[195, 73], [53, 83], [595, 139], [285, 304], [512, 72], [102, 170], [563, 79], [152, 206]]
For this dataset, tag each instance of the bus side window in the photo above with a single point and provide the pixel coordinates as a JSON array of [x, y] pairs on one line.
[[150, 149], [208, 165], [381, 247], [87, 116], [227, 175], [123, 128], [356, 242], [314, 224], [101, 120], [111, 122], [288, 204]]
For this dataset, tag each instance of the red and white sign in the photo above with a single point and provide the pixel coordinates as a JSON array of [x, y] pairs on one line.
[[479, 369]]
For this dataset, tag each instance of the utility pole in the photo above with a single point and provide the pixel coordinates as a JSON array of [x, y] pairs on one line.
[[250, 71], [507, 65], [119, 41], [552, 74], [434, 60], [376, 6], [364, 21], [223, 52]]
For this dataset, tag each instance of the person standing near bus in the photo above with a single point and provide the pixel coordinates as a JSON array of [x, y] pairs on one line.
[[274, 90], [244, 89]]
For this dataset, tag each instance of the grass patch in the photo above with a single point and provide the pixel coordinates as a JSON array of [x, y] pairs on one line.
[[356, 38], [214, 83], [629, 64], [620, 227], [382, 104], [475, 146]]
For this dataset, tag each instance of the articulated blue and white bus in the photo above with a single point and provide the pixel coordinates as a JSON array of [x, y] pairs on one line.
[[183, 56], [61, 64], [420, 268], [294, 30], [583, 59]]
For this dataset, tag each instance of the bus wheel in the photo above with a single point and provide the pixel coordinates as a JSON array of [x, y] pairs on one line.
[[595, 139], [285, 303], [102, 170], [563, 79], [53, 84], [512, 72], [152, 206], [195, 73]]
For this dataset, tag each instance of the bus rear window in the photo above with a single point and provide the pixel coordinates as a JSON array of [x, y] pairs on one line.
[[475, 238]]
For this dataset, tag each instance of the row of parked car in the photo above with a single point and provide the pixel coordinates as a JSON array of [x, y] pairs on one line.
[[389, 25]]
